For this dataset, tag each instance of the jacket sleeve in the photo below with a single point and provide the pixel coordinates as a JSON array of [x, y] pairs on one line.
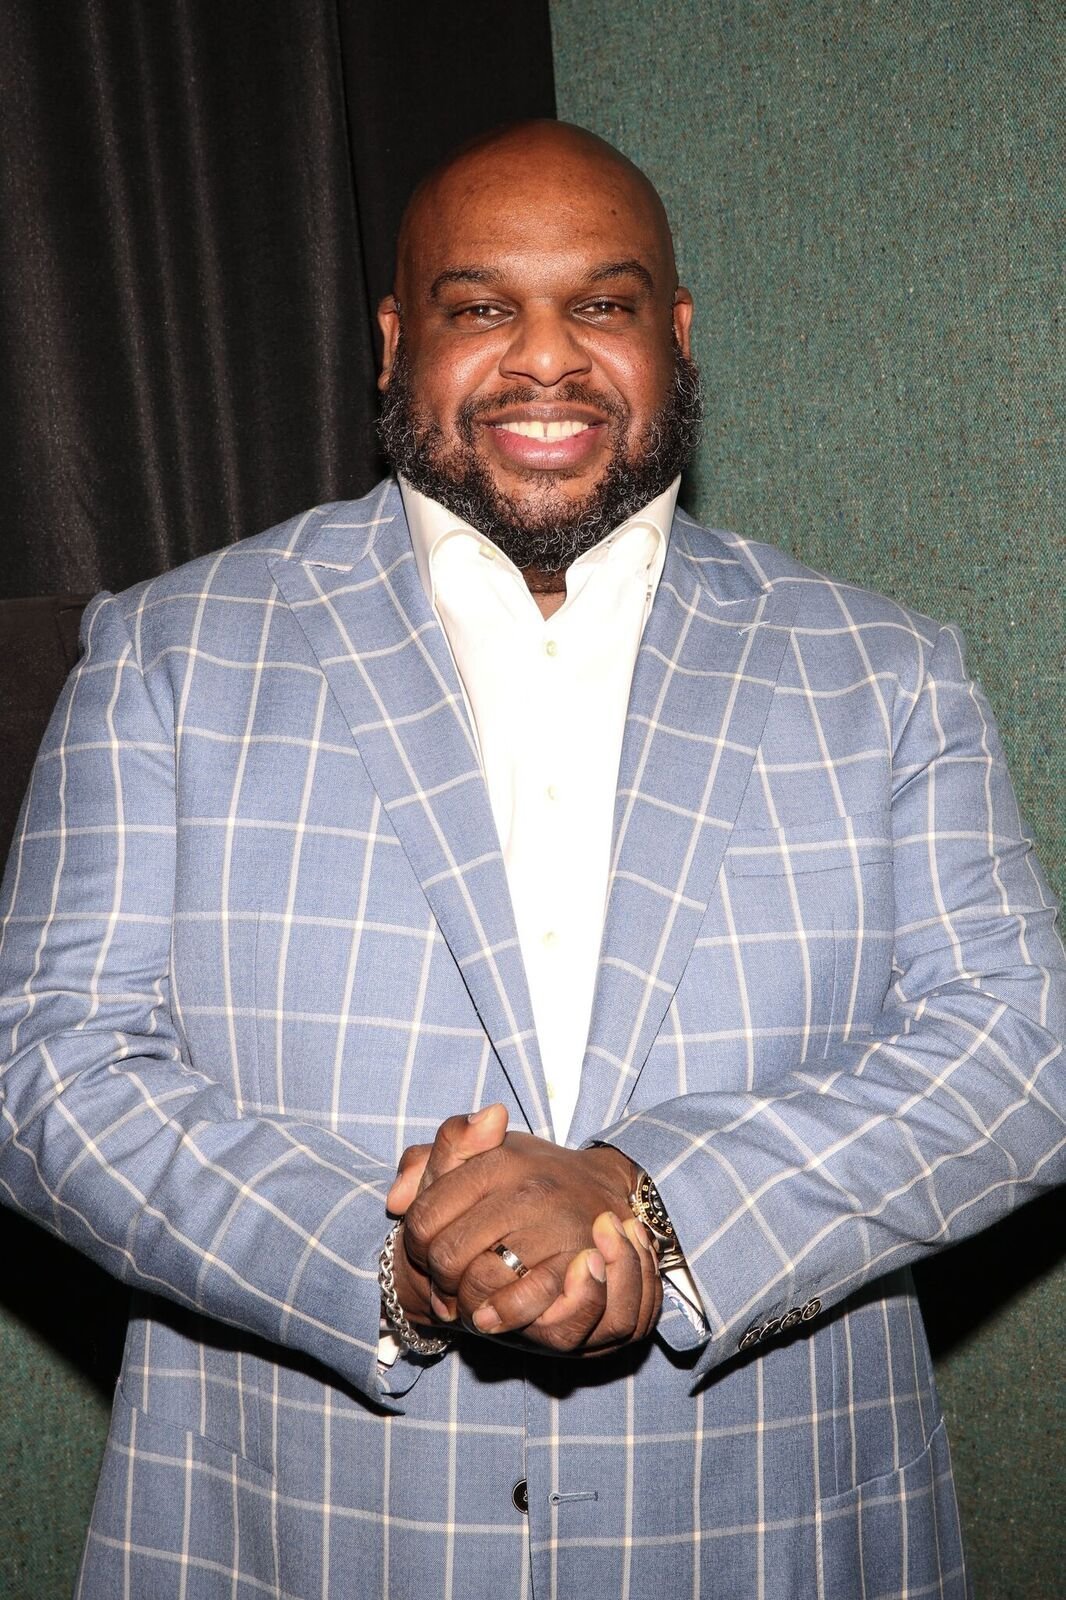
[[921, 1131], [108, 1136]]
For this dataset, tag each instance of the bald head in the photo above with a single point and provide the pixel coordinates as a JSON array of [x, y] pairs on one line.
[[534, 165]]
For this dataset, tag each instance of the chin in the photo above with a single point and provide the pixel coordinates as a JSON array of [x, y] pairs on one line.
[[569, 484], [557, 490]]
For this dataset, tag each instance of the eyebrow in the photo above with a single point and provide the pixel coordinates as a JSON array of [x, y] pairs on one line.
[[631, 268], [460, 275], [603, 273]]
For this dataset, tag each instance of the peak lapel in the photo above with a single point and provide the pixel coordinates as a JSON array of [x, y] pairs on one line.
[[702, 687], [387, 663]]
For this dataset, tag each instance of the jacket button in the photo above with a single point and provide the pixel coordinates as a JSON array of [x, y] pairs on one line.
[[752, 1337], [811, 1309], [520, 1496], [790, 1319]]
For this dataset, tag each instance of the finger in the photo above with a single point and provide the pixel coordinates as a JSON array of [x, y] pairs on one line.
[[607, 1296], [577, 1311], [486, 1273], [467, 1210], [460, 1138], [408, 1178], [457, 1140], [625, 1282], [454, 1229], [630, 1299], [651, 1279], [578, 1281]]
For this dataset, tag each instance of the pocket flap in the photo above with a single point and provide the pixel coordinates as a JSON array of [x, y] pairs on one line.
[[822, 846]]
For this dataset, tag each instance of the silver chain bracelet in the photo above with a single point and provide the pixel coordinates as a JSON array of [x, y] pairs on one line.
[[395, 1315]]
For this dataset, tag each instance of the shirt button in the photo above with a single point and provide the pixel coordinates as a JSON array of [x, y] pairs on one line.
[[550, 939], [552, 792], [487, 551], [551, 648]]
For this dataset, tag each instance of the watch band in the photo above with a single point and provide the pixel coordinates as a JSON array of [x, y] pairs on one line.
[[646, 1204]]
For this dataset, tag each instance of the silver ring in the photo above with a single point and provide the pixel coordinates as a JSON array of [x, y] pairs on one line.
[[509, 1259]]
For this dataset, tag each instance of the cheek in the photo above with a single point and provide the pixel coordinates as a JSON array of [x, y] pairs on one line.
[[642, 378], [442, 381]]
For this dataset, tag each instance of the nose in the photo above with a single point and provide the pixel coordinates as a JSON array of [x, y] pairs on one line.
[[544, 348]]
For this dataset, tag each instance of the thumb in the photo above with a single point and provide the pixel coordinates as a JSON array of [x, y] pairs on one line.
[[458, 1139], [408, 1178]]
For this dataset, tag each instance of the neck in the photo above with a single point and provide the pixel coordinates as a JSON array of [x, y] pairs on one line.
[[547, 588]]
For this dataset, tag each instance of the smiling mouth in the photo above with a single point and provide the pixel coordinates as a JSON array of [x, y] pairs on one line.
[[546, 432]]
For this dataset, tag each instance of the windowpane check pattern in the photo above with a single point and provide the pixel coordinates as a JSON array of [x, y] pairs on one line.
[[257, 939]]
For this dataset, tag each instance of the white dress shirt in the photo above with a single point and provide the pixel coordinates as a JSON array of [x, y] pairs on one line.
[[548, 698]]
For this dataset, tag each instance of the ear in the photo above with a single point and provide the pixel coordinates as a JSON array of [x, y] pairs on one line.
[[682, 315], [389, 323]]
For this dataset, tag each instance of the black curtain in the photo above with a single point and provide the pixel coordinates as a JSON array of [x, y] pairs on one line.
[[197, 205], [198, 200]]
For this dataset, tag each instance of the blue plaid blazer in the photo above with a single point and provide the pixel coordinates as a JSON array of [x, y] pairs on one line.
[[258, 939]]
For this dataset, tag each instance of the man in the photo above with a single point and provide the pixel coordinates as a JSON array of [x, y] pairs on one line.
[[656, 906]]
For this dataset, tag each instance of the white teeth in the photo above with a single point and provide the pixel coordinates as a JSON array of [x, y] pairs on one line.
[[544, 430]]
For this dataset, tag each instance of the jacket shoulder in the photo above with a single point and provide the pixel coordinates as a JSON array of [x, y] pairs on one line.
[[240, 572], [243, 564], [823, 602]]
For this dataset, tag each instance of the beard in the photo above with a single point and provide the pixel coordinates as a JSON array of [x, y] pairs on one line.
[[547, 530]]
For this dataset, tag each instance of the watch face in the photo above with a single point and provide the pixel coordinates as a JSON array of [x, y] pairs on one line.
[[655, 1212]]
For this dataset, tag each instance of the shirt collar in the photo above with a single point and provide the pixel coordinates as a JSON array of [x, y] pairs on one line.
[[430, 523]]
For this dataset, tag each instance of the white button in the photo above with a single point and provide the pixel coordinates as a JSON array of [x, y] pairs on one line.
[[487, 551], [551, 1090], [552, 792], [550, 939], [551, 648]]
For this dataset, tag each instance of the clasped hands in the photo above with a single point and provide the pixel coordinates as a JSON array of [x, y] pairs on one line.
[[592, 1282]]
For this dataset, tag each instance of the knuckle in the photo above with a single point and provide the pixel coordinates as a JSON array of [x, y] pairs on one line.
[[451, 1129], [549, 1278], [496, 1161], [417, 1232], [539, 1192], [477, 1284], [442, 1263], [560, 1336], [576, 1333]]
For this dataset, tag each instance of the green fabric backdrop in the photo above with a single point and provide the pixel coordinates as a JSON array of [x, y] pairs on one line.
[[865, 199]]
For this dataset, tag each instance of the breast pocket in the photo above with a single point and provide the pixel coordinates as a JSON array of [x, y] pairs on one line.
[[817, 897], [827, 845]]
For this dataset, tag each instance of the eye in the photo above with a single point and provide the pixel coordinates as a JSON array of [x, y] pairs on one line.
[[481, 314], [603, 309]]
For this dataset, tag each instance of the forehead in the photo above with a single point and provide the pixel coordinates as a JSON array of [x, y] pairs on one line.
[[541, 220]]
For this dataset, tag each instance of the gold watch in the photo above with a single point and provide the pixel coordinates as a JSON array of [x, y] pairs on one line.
[[647, 1206]]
